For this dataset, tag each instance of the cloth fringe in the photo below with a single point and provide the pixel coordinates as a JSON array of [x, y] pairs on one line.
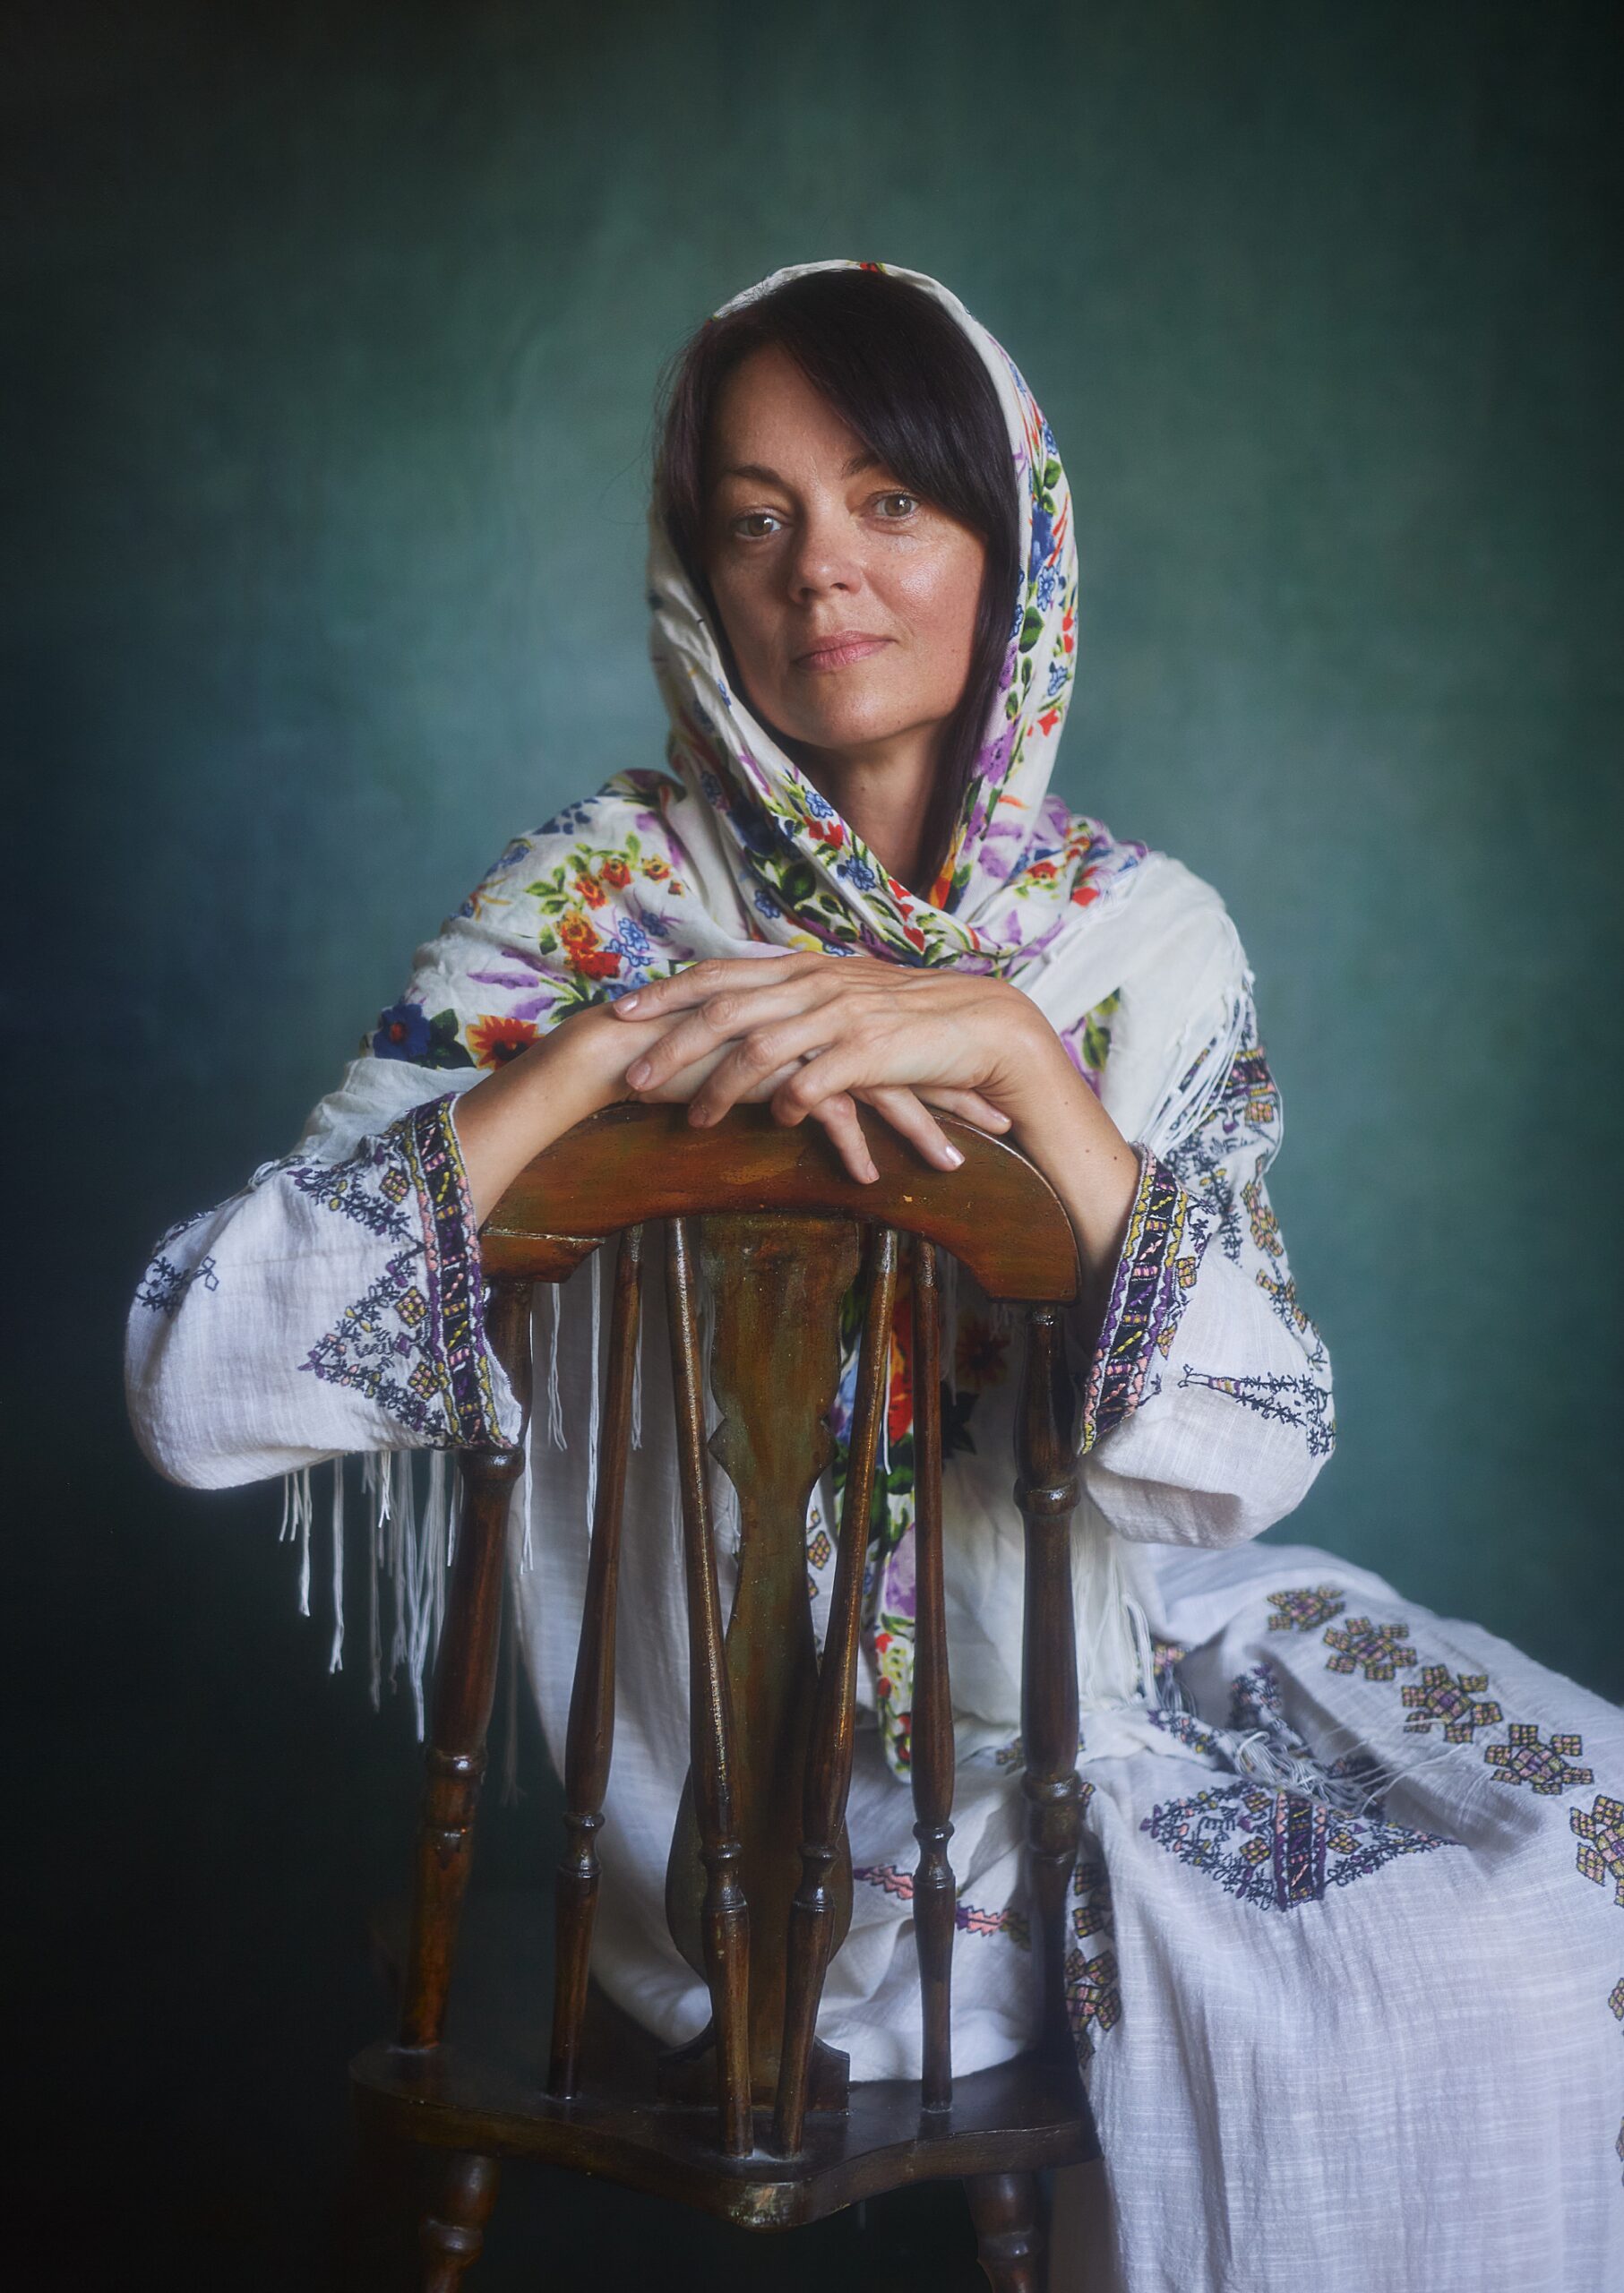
[[637, 1385], [335, 1662], [297, 1507], [375, 1642], [411, 1523], [1260, 1755], [402, 1532], [1188, 1103], [595, 1406], [556, 1416]]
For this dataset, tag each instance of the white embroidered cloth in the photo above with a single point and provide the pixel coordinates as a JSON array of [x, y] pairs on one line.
[[1339, 2029]]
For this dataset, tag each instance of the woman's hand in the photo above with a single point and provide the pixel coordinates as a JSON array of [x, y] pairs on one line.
[[906, 1110], [579, 1067], [815, 1025], [806, 1032]]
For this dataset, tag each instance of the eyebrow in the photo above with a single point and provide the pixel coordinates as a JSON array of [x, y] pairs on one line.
[[764, 477]]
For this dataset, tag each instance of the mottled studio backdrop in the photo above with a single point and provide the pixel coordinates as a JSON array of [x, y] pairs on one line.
[[337, 329]]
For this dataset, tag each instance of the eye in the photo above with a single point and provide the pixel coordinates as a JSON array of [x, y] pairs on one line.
[[886, 505], [755, 524]]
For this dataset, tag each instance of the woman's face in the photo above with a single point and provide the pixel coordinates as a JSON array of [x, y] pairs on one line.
[[849, 604]]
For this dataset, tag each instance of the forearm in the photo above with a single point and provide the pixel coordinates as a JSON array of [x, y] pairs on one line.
[[505, 1122], [1059, 1125]]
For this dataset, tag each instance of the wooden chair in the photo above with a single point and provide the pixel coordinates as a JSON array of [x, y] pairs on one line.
[[754, 2121]]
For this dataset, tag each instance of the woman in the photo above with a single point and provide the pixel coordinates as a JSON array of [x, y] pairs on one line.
[[1345, 1934]]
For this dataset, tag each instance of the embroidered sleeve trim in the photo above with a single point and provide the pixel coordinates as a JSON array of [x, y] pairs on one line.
[[455, 1289], [415, 1342], [1161, 1252]]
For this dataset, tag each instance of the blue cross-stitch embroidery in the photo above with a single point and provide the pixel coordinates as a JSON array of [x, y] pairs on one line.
[[164, 1285], [1278, 1849]]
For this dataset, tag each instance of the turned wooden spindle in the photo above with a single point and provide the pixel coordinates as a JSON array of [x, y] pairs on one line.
[[465, 1682], [725, 1917], [1046, 1491], [451, 2233], [590, 1741], [829, 1766], [932, 1746], [1009, 2240]]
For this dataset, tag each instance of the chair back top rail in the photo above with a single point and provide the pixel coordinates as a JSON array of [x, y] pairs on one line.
[[997, 1213]]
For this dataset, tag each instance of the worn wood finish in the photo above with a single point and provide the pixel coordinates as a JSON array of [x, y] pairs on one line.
[[766, 1275], [829, 1763], [724, 1915], [591, 1732], [1009, 2234], [933, 1753], [759, 1886], [996, 1214], [465, 1682], [481, 2090], [452, 2231], [1046, 1491]]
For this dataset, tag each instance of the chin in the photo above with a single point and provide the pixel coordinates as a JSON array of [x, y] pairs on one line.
[[850, 724]]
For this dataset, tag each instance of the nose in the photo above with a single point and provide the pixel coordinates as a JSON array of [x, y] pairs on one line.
[[825, 560]]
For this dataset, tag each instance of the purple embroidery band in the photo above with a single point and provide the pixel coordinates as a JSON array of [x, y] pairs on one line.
[[1146, 1299], [452, 1271]]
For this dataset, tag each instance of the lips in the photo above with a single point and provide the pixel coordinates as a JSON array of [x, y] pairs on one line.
[[839, 650]]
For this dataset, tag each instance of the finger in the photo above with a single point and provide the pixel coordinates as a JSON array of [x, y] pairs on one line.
[[723, 1018], [839, 1115], [686, 1087], [759, 1054], [678, 1088], [768, 1085], [679, 991], [908, 1114], [843, 1067], [968, 1105]]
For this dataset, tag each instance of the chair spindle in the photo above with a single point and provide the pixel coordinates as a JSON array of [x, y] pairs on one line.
[[589, 1742], [725, 1917], [465, 1683], [829, 1763], [1046, 1491], [933, 1746]]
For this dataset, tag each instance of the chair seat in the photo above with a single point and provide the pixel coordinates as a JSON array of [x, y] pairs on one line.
[[482, 2091]]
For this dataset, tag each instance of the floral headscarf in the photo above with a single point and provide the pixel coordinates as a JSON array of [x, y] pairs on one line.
[[734, 852]]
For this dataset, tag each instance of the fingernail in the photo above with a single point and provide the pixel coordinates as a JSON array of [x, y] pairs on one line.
[[638, 1073], [871, 1176], [625, 1004], [953, 1155]]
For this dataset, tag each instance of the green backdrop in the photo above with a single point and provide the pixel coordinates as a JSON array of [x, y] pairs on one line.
[[337, 329]]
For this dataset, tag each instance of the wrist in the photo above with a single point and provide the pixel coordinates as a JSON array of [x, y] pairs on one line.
[[1059, 1123], [1039, 1084], [590, 1053], [511, 1116]]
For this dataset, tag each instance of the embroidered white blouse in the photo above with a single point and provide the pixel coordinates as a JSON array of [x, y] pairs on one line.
[[334, 1306]]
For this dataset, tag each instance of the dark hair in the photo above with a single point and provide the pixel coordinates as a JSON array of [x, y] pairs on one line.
[[902, 373]]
